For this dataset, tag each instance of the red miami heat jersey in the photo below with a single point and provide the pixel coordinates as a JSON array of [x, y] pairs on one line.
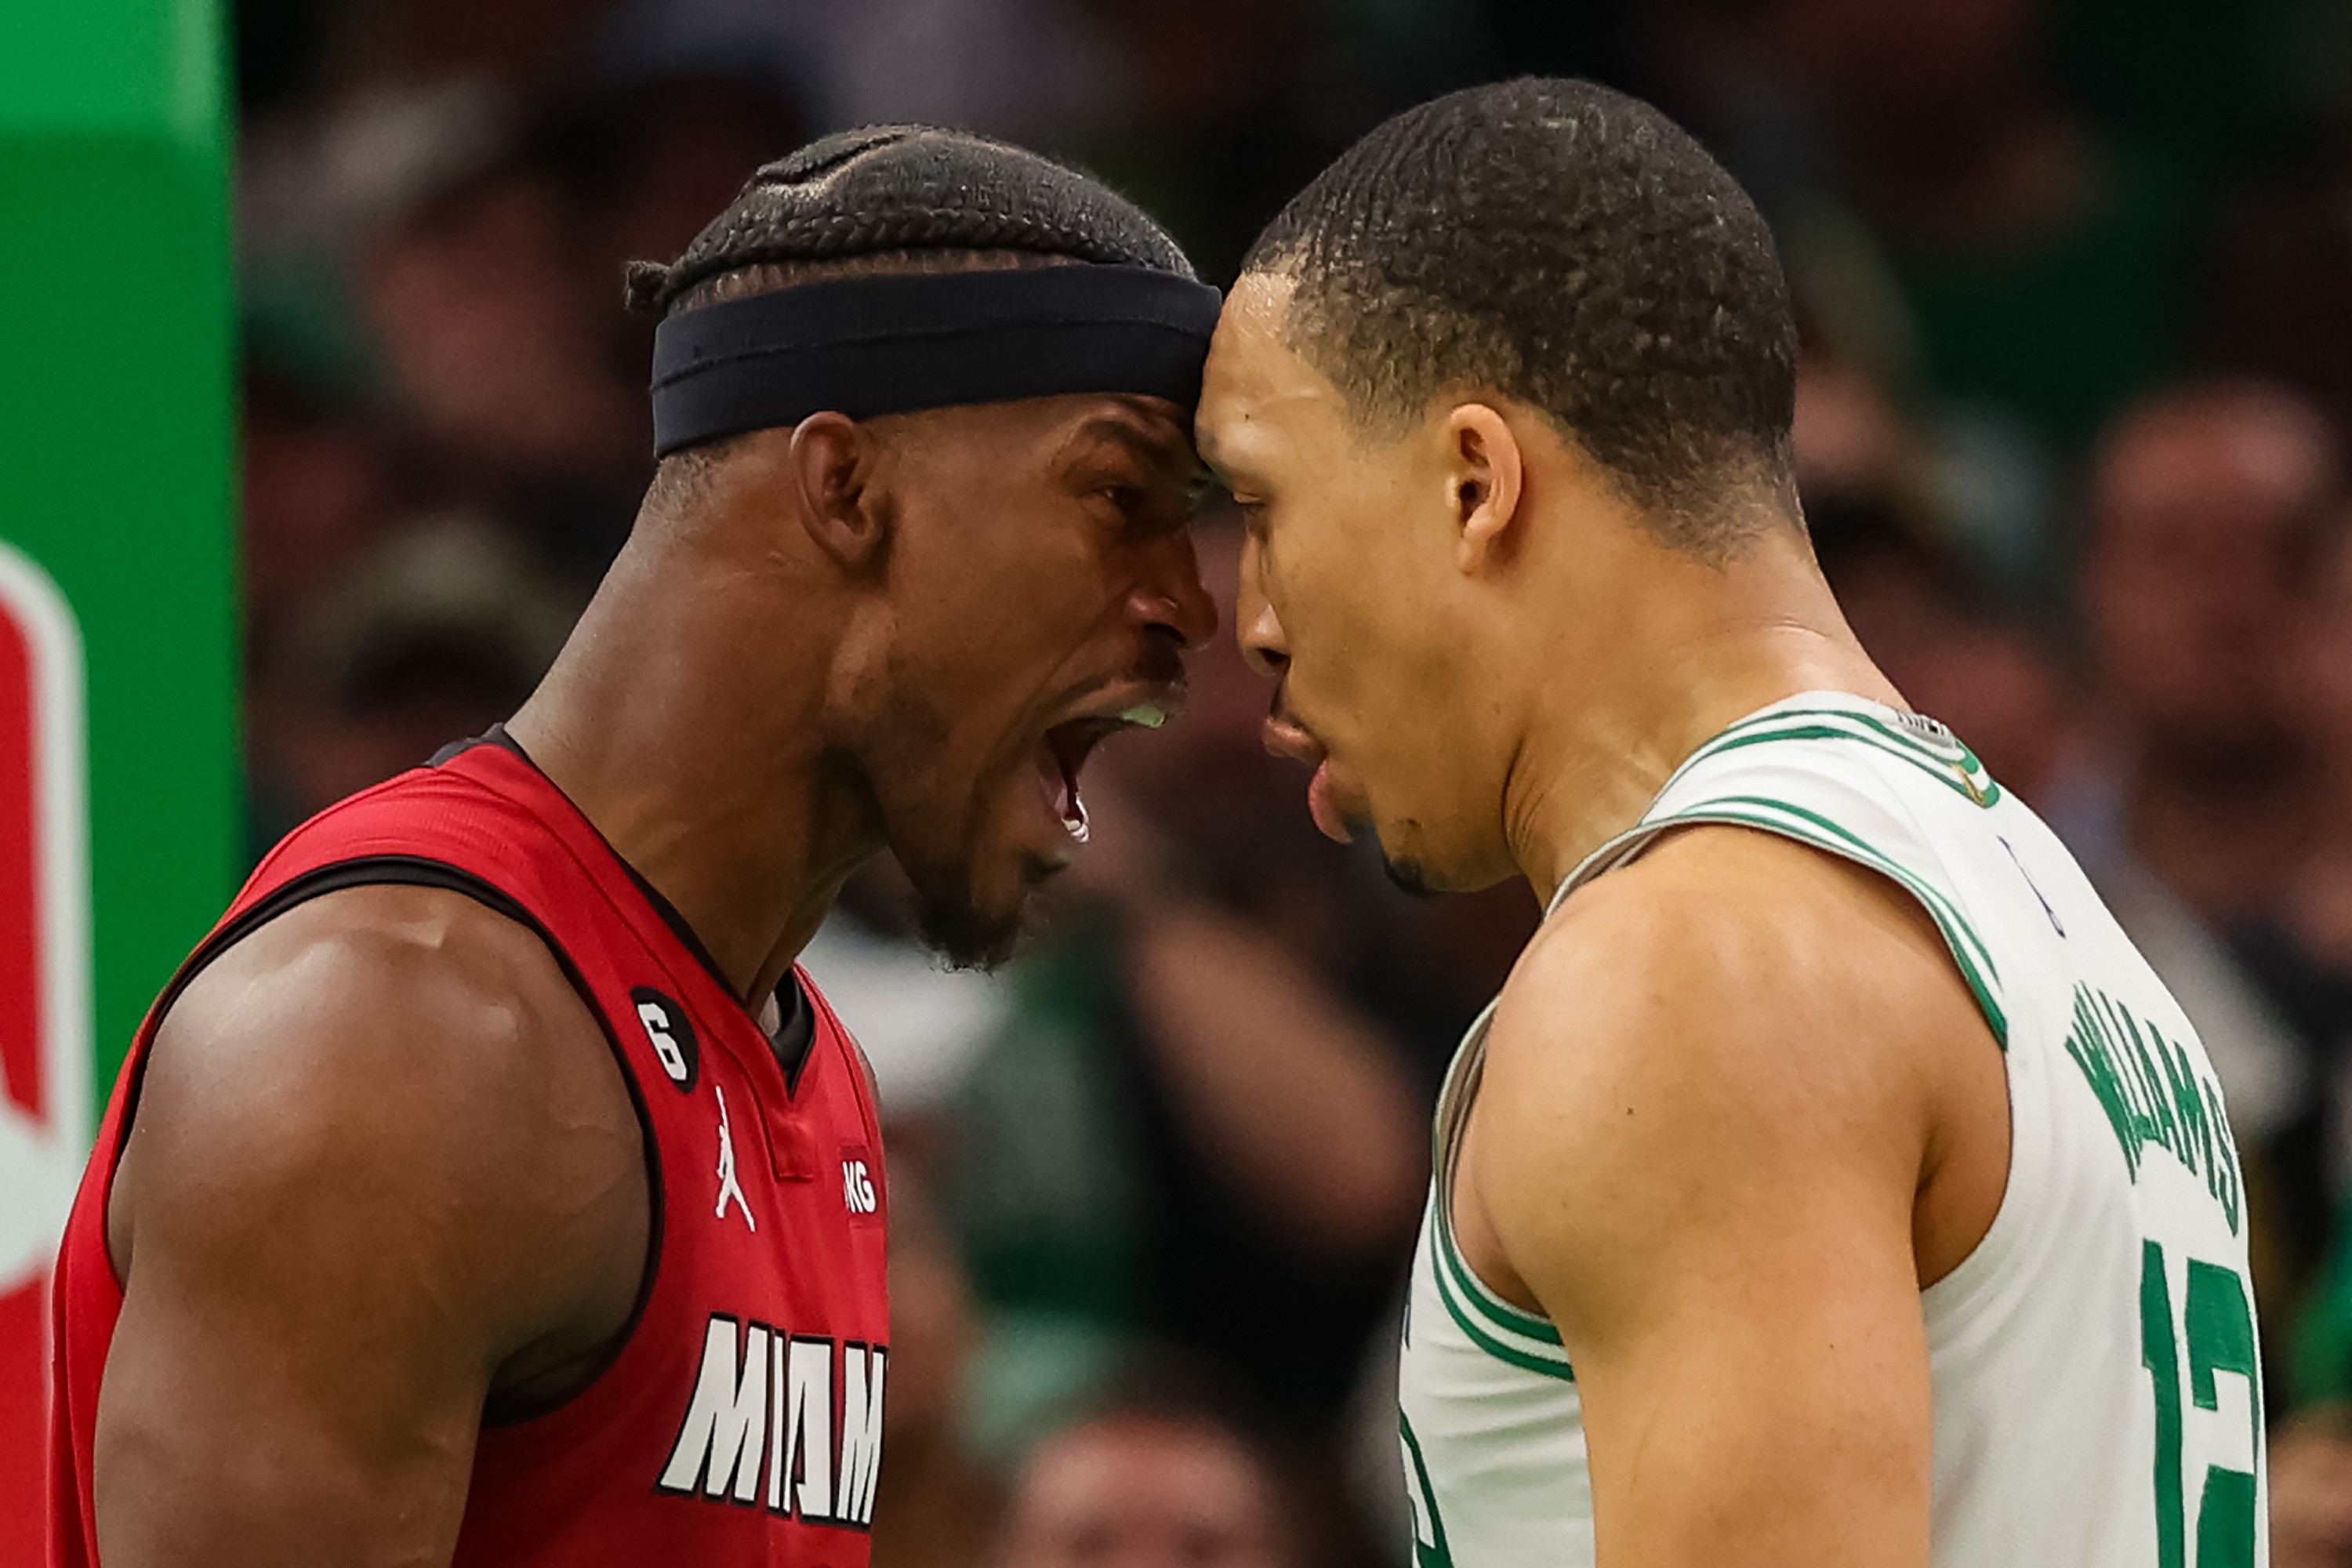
[[741, 1421]]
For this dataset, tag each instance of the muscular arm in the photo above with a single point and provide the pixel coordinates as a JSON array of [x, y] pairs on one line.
[[383, 1167], [1738, 1105]]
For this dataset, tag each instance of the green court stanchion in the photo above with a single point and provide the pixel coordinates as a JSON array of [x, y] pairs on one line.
[[117, 741]]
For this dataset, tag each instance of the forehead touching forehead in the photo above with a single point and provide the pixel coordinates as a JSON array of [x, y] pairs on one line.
[[1265, 406]]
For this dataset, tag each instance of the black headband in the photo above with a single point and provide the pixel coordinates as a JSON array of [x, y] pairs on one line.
[[864, 346]]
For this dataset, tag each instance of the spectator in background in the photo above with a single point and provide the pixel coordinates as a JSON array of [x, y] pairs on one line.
[[648, 155], [2205, 504], [1936, 632], [435, 632], [1916, 599], [2277, 300], [1152, 1479], [315, 492], [2311, 1491], [435, 253], [2200, 796], [488, 331], [527, 42], [1231, 106], [1033, 71], [2037, 262], [2299, 951], [431, 270], [936, 1499]]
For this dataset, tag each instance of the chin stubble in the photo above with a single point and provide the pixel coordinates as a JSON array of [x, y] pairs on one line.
[[969, 937]]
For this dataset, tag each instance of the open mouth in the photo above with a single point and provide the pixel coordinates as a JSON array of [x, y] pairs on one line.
[[1063, 756], [1287, 737]]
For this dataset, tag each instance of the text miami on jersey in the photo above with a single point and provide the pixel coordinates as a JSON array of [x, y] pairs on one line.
[[811, 1407]]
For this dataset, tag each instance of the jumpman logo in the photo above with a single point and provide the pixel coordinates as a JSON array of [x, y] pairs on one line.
[[729, 1186]]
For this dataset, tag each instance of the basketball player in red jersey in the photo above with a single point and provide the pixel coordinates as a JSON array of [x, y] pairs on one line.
[[490, 1187]]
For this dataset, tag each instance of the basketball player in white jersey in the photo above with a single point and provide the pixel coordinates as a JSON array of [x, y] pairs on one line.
[[1831, 1182]]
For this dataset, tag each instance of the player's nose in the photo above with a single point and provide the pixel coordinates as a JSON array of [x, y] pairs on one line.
[[1169, 595], [1257, 627]]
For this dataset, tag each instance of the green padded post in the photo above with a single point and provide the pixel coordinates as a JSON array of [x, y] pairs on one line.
[[119, 791]]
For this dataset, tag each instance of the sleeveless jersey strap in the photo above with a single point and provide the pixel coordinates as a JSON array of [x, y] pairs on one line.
[[1766, 772]]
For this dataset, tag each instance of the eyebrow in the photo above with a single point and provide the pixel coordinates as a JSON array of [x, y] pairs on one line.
[[1147, 446]]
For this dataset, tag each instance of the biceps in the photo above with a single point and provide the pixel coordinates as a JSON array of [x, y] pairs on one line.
[[259, 1438], [1780, 1421]]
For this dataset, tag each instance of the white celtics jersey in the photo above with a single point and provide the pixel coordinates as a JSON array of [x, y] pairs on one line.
[[2097, 1398]]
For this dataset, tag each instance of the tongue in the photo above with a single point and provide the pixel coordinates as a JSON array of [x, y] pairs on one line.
[[1326, 811]]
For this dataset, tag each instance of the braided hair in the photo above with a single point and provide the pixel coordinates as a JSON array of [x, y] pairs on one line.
[[1574, 249], [901, 198]]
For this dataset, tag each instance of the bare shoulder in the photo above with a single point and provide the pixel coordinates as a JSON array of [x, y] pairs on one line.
[[384, 1177], [1733, 1016], [388, 1050], [1722, 940]]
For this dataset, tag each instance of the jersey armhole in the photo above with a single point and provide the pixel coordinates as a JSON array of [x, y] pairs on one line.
[[1502, 1329], [415, 871]]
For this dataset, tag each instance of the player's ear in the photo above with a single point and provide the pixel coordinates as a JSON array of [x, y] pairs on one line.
[[1485, 474], [832, 461]]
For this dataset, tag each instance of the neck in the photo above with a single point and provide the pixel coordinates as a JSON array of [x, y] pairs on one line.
[[1695, 648], [705, 767]]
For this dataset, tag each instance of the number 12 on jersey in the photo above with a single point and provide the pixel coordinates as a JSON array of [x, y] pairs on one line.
[[2219, 1330]]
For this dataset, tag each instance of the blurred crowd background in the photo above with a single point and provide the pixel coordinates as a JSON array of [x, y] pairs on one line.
[[2075, 282]]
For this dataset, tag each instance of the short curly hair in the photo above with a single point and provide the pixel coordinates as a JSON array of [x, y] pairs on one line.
[[1573, 249], [903, 198]]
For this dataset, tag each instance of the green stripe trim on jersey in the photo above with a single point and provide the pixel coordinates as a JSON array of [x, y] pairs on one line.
[[1552, 1366], [1966, 948], [1955, 752], [1945, 774], [1509, 1333], [1504, 1315], [1956, 766]]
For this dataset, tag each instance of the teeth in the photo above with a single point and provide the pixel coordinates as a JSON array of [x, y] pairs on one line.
[[1075, 822], [1148, 715]]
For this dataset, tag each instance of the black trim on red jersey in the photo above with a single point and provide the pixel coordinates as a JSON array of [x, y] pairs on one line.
[[496, 735], [796, 1033], [421, 871]]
